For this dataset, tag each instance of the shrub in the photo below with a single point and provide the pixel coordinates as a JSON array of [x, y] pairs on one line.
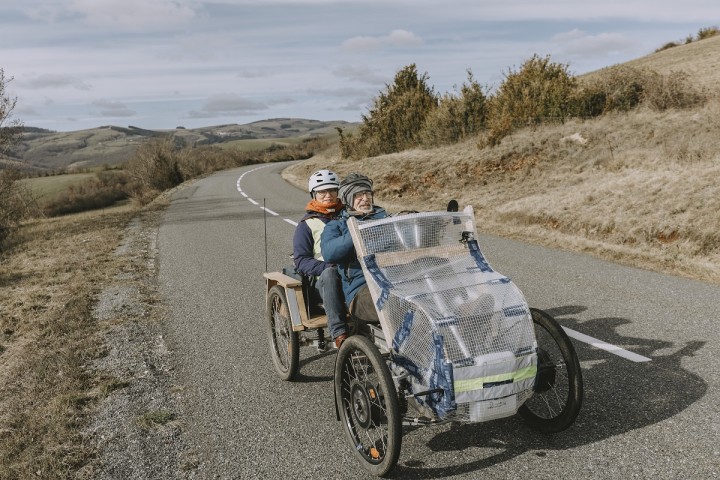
[[102, 191], [396, 118], [16, 202], [456, 116], [668, 45], [154, 167], [541, 90], [673, 90], [619, 88], [707, 32], [162, 164]]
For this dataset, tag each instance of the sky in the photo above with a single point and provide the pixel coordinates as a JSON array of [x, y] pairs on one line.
[[159, 64]]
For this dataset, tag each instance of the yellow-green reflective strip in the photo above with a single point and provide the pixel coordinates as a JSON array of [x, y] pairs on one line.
[[477, 383]]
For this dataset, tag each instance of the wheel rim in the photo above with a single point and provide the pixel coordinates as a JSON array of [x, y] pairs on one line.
[[547, 372], [552, 385], [280, 332], [364, 406]]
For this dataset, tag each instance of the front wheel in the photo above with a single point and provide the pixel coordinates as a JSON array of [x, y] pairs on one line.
[[284, 343], [368, 405], [558, 391]]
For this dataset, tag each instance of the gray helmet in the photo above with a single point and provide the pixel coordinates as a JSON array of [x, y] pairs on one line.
[[353, 183], [323, 180]]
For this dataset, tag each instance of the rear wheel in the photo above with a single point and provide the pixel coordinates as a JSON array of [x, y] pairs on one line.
[[558, 389], [368, 404], [284, 345]]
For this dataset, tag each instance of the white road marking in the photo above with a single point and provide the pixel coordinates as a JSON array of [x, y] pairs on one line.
[[608, 347]]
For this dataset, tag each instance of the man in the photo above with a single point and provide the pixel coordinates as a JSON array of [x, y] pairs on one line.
[[336, 244], [325, 284]]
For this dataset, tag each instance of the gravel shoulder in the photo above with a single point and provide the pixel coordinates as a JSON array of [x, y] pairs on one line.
[[137, 431]]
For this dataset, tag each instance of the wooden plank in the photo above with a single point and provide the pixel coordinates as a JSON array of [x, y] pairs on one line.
[[282, 279], [318, 321]]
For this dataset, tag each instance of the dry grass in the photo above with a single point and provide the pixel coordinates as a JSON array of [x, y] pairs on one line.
[[699, 60], [48, 286], [638, 188]]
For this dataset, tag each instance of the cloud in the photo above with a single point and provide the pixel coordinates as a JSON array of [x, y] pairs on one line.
[[252, 74], [360, 74], [396, 38], [110, 108], [126, 14], [232, 105], [26, 111], [578, 43], [341, 92], [50, 80]]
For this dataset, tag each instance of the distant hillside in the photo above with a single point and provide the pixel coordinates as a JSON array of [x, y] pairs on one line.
[[699, 60], [42, 149]]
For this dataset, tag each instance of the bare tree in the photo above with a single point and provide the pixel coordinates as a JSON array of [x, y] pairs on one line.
[[10, 129], [14, 199]]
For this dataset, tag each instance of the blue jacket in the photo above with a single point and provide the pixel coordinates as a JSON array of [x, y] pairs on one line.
[[306, 257], [337, 247]]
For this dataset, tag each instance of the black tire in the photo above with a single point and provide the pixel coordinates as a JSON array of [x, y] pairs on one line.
[[368, 405], [558, 392], [284, 345]]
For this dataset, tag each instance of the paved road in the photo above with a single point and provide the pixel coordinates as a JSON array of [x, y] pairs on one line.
[[656, 418]]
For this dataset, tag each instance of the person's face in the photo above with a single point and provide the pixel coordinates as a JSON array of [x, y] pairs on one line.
[[362, 201], [326, 197]]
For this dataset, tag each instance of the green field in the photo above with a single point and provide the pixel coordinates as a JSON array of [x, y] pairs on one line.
[[48, 188]]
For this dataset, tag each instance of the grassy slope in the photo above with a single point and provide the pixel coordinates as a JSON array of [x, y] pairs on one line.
[[48, 188], [638, 188]]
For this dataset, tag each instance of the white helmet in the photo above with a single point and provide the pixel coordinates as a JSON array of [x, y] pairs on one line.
[[323, 180]]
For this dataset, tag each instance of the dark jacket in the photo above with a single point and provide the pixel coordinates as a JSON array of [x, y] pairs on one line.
[[306, 257], [337, 247]]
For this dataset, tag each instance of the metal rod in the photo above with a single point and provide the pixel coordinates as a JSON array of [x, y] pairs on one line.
[[265, 231]]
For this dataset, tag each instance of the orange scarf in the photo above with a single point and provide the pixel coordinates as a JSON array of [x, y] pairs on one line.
[[331, 210]]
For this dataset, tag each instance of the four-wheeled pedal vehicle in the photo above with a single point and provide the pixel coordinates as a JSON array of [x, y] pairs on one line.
[[453, 341]]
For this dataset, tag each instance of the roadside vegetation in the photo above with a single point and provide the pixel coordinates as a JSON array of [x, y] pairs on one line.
[[621, 163], [703, 33]]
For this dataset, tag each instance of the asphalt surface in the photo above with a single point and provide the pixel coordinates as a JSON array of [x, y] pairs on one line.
[[656, 418]]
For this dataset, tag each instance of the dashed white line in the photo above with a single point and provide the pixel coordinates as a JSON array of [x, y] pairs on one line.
[[608, 347], [255, 202]]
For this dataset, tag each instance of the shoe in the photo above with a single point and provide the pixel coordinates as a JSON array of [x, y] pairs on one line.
[[340, 339]]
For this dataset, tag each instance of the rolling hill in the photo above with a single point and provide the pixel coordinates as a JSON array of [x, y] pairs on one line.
[[43, 150]]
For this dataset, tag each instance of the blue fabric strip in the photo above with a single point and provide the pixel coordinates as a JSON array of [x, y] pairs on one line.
[[404, 331], [379, 278], [515, 311], [478, 256], [442, 377]]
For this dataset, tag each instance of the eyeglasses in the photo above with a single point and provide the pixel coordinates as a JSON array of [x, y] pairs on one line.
[[326, 193], [366, 194]]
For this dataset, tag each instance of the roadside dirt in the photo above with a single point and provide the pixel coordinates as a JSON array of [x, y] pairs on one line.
[[137, 432]]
